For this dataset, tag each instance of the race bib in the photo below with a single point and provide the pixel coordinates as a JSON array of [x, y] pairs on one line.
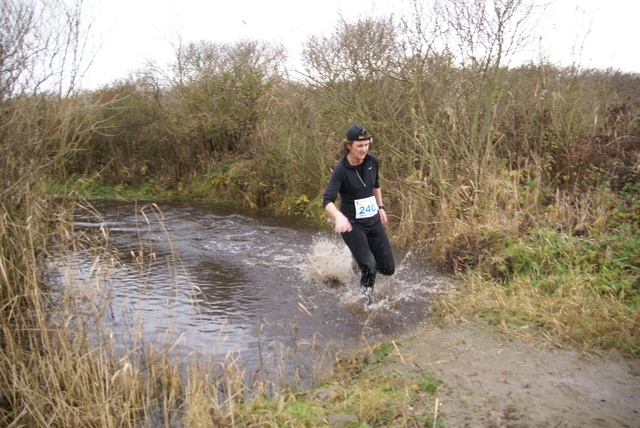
[[366, 207]]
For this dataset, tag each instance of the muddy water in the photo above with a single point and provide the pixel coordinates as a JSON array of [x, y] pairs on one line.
[[208, 280]]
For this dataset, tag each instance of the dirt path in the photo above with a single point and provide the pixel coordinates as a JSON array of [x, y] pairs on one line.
[[489, 381]]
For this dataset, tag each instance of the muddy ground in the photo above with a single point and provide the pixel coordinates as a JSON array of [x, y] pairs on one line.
[[492, 381]]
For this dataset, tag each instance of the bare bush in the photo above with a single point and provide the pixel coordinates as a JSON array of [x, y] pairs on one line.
[[220, 90]]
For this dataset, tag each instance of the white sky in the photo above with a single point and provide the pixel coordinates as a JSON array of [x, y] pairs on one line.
[[593, 33]]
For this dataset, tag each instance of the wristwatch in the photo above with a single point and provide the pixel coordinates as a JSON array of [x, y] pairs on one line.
[[381, 207]]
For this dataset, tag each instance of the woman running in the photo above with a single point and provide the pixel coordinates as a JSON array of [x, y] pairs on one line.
[[361, 219]]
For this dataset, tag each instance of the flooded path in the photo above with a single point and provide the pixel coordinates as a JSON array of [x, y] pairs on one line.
[[205, 279]]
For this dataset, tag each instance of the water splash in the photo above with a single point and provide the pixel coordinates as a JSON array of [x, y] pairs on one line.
[[328, 262], [330, 268]]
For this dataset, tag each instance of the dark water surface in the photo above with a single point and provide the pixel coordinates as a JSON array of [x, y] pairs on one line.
[[205, 279]]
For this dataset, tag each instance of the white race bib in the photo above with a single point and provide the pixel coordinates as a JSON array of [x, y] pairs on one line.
[[366, 207]]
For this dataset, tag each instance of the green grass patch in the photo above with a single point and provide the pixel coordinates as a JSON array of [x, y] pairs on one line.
[[429, 384], [559, 264], [580, 291]]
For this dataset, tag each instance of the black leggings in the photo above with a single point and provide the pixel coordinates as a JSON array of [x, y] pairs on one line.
[[372, 251]]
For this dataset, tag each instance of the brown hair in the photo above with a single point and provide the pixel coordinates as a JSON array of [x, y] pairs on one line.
[[346, 143]]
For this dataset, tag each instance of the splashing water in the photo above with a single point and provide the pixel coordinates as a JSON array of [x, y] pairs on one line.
[[329, 262], [330, 268]]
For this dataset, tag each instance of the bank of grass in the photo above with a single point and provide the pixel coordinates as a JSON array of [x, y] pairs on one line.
[[359, 393], [92, 189], [574, 286], [232, 183]]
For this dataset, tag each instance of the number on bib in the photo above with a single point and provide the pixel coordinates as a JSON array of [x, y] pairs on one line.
[[366, 207]]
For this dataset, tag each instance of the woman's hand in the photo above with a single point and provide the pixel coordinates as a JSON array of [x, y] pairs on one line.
[[383, 217], [342, 224], [377, 192]]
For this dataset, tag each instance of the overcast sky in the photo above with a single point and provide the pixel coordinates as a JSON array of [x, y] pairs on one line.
[[594, 33]]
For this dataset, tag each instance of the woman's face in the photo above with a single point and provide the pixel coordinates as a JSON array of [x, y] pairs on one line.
[[358, 149]]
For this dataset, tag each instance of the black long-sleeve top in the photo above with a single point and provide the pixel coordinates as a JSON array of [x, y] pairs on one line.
[[353, 183]]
